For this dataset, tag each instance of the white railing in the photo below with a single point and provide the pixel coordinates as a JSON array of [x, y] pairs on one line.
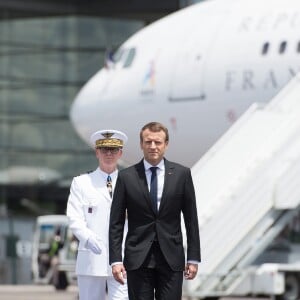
[[253, 169]]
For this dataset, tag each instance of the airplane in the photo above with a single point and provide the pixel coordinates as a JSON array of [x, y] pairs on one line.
[[196, 71]]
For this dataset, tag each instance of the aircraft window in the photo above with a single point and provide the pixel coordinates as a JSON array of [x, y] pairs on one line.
[[117, 55], [129, 58], [298, 47], [265, 48], [123, 56], [282, 47]]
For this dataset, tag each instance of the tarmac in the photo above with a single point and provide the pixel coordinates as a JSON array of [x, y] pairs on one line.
[[37, 292], [48, 292]]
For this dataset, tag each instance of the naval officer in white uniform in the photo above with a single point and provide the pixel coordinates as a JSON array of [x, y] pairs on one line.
[[88, 209]]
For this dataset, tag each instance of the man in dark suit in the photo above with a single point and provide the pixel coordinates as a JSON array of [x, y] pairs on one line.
[[153, 193]]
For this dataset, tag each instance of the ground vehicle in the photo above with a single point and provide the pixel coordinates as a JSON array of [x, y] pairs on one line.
[[48, 268]]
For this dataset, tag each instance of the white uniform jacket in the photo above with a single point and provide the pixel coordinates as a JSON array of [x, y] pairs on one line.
[[88, 210]]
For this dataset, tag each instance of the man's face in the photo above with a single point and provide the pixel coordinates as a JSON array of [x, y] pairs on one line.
[[154, 146], [108, 157]]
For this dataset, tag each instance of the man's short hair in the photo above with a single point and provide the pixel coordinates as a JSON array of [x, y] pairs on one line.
[[155, 127]]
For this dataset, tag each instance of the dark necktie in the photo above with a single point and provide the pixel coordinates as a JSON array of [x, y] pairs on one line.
[[109, 185], [153, 188]]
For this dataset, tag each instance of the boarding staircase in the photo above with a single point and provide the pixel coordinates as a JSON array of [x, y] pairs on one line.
[[248, 188]]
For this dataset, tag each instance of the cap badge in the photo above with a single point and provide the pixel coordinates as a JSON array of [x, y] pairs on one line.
[[107, 134]]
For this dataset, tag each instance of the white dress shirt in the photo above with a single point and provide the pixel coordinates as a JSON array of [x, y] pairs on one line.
[[160, 172]]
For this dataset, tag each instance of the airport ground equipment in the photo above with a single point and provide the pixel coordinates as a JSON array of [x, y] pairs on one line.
[[248, 195], [60, 269]]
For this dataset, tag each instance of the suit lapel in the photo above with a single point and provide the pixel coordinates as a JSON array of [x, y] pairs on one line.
[[169, 171]]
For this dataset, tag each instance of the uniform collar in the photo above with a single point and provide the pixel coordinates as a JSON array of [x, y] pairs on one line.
[[113, 175]]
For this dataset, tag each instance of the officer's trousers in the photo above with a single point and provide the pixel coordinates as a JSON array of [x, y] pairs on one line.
[[94, 288]]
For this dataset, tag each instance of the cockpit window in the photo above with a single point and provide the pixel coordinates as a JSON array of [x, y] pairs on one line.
[[117, 56], [123, 57], [129, 58]]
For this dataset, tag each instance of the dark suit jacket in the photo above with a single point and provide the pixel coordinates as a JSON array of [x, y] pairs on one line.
[[144, 225]]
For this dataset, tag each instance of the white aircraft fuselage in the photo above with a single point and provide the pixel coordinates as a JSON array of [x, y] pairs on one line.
[[196, 71]]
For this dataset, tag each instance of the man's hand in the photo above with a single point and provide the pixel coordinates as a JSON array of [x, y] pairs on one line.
[[119, 273], [190, 271]]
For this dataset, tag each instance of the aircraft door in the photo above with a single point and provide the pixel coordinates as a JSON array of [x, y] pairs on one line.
[[187, 81], [190, 60]]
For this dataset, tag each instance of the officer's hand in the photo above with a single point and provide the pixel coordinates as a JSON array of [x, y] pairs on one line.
[[119, 273], [94, 243]]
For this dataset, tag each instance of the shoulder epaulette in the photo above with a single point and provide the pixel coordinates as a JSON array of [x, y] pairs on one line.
[[88, 172]]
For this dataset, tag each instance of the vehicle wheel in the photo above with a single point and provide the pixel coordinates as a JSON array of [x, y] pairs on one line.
[[62, 281], [292, 287]]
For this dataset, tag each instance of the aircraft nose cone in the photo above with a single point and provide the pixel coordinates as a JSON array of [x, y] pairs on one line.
[[83, 115]]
